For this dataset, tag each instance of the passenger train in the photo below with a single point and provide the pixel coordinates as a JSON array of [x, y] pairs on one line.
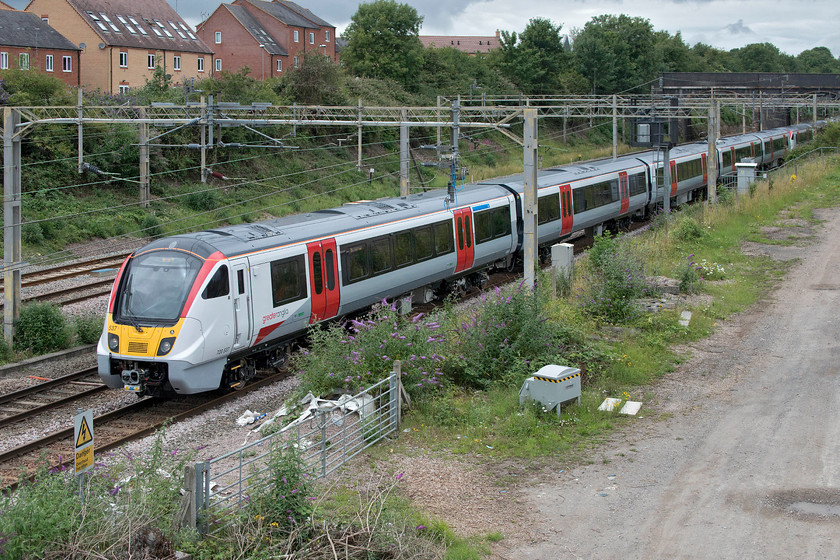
[[202, 311]]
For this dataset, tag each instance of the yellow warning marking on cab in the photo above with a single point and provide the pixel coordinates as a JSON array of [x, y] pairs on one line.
[[85, 437]]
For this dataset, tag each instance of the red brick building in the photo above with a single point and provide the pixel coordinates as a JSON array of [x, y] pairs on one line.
[[29, 43], [267, 37], [126, 40], [470, 44]]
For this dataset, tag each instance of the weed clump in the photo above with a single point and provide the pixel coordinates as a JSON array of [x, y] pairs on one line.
[[615, 279]]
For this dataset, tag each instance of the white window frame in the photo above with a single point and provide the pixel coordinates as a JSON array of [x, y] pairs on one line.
[[297, 62], [48, 64], [4, 60], [176, 62], [124, 89], [279, 65], [296, 34], [326, 35], [23, 61], [66, 63], [218, 65], [201, 64], [150, 61], [123, 59], [218, 37], [45, 19], [311, 37]]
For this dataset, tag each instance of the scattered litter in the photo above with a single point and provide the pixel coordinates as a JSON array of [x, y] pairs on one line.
[[603, 494], [249, 417], [488, 447], [609, 404], [630, 407], [685, 318], [364, 404], [611, 476]]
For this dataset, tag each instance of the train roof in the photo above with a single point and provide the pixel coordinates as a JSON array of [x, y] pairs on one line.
[[300, 228]]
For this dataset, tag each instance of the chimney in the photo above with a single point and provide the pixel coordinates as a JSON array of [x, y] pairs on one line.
[[497, 34]]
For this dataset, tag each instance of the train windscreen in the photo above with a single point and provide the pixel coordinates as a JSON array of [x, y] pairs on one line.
[[156, 286]]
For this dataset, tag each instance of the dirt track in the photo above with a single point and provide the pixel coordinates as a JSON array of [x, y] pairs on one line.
[[738, 453]]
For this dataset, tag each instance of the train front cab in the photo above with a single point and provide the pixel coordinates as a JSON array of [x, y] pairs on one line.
[[169, 324]]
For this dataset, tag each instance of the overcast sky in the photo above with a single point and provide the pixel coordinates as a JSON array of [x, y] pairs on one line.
[[792, 25]]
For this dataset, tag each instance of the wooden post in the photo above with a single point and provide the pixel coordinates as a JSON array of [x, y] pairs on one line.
[[187, 511], [203, 140], [80, 144], [711, 157]]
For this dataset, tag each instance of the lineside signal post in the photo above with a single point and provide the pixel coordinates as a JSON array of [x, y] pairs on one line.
[[83, 444]]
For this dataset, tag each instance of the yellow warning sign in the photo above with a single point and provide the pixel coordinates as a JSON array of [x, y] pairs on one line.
[[84, 459], [84, 436]]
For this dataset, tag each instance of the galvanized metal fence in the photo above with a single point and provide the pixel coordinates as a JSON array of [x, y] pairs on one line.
[[328, 435]]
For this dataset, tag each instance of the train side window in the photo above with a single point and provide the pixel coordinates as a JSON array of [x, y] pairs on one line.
[[444, 243], [288, 280], [501, 221], [355, 262], [459, 232], [317, 274], [637, 184], [402, 249], [580, 200], [483, 226], [468, 230], [329, 258], [240, 281], [380, 255], [218, 286], [423, 243], [548, 208]]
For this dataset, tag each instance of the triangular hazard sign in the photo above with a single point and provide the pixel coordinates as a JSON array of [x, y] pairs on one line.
[[85, 436]]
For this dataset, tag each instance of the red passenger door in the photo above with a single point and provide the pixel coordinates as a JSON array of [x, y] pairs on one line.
[[705, 169], [464, 239], [673, 178], [624, 191], [323, 280], [566, 209], [732, 153]]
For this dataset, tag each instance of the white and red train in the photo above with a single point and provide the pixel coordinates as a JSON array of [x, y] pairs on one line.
[[202, 311]]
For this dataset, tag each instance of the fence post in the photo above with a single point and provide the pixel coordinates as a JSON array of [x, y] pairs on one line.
[[322, 423], [394, 395], [187, 511], [202, 497]]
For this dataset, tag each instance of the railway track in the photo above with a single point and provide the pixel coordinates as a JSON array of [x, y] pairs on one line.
[[30, 402], [73, 294], [111, 430]]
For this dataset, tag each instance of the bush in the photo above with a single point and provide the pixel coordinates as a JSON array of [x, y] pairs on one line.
[[41, 328], [202, 201], [150, 227], [501, 339], [287, 502], [88, 329], [689, 275], [687, 229], [351, 357], [616, 279]]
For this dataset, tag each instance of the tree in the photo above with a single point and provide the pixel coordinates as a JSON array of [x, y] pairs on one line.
[[383, 42], [818, 60], [317, 81], [534, 60], [761, 57], [616, 53]]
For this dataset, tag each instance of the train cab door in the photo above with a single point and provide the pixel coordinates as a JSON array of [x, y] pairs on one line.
[[323, 280], [241, 305], [624, 191], [705, 166], [732, 154], [673, 178], [566, 209], [464, 239]]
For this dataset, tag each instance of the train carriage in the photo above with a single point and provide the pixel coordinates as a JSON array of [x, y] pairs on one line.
[[200, 311]]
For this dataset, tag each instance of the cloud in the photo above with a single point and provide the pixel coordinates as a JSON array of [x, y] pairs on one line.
[[739, 28]]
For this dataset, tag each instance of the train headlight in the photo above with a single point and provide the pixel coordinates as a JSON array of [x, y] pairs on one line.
[[165, 346], [113, 342]]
